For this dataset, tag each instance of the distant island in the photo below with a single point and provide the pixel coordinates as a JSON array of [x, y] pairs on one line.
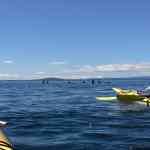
[[107, 78], [52, 79], [63, 79]]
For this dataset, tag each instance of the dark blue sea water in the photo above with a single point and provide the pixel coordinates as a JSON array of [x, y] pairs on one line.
[[66, 116]]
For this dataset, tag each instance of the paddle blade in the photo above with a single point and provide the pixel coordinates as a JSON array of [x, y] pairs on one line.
[[3, 123]]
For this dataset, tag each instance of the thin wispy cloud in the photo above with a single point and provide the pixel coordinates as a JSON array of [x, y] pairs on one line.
[[107, 70], [58, 62], [123, 67], [40, 73], [9, 76], [8, 62], [88, 71]]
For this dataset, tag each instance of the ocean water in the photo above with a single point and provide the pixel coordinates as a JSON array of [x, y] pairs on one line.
[[66, 116]]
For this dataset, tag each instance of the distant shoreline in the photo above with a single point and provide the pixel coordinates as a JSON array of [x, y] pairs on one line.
[[65, 79]]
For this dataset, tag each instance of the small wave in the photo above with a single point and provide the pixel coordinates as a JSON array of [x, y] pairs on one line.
[[99, 134]]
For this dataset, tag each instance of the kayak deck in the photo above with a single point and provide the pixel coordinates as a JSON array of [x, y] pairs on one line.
[[4, 142]]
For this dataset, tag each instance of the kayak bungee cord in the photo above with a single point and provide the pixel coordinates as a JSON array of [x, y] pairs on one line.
[[5, 146]]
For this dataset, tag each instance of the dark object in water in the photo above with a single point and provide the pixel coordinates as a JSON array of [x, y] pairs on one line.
[[93, 82], [99, 82], [43, 81], [83, 82]]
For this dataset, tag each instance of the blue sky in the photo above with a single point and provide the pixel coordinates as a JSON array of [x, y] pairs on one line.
[[74, 38]]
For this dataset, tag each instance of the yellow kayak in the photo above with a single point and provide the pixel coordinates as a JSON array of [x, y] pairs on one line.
[[128, 95], [4, 141]]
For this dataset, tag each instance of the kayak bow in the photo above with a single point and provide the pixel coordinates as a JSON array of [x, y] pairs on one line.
[[106, 98]]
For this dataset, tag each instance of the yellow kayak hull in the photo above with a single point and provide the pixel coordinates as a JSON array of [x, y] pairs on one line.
[[130, 98]]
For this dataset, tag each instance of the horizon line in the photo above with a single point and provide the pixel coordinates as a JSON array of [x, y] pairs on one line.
[[59, 78]]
